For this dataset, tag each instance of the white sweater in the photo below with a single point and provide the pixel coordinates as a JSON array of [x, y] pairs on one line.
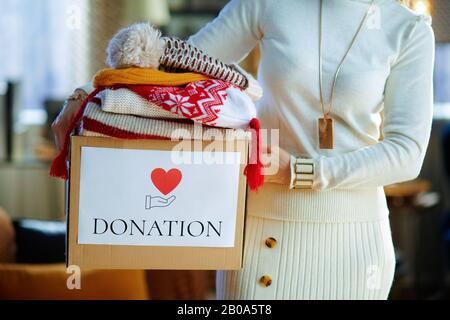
[[390, 68]]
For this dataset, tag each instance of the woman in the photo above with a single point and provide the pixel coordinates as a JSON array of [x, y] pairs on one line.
[[319, 229]]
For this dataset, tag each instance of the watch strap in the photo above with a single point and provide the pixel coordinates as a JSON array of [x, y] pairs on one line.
[[303, 173]]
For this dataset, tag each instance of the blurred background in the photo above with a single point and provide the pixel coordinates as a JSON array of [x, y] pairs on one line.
[[51, 47]]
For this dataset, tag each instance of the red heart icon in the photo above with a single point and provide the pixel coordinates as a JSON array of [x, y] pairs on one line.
[[166, 182]]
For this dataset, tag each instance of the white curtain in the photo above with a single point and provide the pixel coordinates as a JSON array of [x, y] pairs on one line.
[[41, 47]]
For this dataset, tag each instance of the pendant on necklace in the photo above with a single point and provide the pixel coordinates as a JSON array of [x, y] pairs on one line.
[[326, 133]]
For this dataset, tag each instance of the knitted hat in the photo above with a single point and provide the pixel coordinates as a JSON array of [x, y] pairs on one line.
[[179, 54], [141, 45]]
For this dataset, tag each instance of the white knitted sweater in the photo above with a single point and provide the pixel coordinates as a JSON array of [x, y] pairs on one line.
[[390, 69]]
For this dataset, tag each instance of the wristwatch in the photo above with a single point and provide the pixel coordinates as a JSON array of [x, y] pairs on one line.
[[302, 173]]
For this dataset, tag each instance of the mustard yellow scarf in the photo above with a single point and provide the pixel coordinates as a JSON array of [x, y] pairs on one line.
[[143, 76]]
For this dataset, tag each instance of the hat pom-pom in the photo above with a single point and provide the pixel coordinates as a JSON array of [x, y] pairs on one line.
[[139, 46]]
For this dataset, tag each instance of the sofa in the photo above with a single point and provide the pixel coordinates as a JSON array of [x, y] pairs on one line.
[[32, 268]]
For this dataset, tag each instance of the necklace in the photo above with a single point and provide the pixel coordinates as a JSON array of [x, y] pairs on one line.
[[326, 122]]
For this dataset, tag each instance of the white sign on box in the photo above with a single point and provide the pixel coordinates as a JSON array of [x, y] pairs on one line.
[[146, 198]]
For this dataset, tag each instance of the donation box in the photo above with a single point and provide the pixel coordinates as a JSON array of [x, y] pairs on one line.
[[156, 204]]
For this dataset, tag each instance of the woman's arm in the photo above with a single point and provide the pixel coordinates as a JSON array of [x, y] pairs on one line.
[[235, 32], [408, 110]]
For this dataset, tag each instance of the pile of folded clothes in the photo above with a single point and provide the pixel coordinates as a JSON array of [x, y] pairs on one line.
[[141, 99]]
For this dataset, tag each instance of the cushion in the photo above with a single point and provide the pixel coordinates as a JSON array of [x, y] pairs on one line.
[[49, 282], [40, 241]]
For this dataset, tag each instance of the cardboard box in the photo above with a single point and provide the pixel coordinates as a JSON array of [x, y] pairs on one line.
[[134, 204]]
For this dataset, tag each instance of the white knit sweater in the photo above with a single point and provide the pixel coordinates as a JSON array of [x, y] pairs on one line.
[[390, 68]]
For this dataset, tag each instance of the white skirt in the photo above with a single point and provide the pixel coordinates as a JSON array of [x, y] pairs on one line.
[[313, 258]]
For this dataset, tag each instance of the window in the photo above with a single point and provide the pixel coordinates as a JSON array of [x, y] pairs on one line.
[[442, 80], [442, 73], [39, 47]]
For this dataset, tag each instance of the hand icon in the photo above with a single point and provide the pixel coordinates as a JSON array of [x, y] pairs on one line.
[[158, 202]]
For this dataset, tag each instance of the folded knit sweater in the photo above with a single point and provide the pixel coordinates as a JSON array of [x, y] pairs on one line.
[[124, 101], [131, 127], [209, 102]]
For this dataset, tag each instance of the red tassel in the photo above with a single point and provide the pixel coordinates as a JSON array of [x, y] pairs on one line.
[[59, 168], [254, 170]]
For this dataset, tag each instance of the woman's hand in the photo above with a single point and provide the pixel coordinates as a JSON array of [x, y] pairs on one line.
[[71, 107], [280, 159]]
